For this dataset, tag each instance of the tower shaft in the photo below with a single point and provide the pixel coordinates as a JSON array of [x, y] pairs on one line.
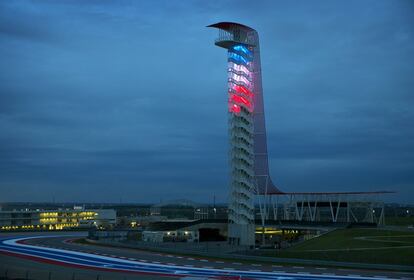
[[249, 172]]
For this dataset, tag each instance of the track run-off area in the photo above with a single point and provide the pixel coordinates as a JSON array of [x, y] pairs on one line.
[[25, 247]]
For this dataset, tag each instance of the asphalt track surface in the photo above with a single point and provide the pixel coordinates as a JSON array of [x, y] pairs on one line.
[[59, 252]]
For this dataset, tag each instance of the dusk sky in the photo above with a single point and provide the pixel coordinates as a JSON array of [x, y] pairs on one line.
[[102, 101]]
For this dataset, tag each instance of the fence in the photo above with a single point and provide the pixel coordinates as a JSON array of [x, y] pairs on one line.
[[57, 273]]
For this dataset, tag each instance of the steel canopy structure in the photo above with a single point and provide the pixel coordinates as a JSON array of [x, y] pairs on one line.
[[248, 156]]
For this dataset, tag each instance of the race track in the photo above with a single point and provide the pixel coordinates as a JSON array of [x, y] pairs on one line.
[[23, 247]]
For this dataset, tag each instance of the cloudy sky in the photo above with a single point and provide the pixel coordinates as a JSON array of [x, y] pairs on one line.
[[105, 101]]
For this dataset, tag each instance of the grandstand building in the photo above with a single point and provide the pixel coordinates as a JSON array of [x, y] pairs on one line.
[[58, 219]]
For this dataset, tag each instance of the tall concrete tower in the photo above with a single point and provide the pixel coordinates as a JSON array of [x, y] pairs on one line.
[[247, 132]]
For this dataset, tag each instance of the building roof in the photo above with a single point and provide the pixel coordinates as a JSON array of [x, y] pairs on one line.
[[178, 202], [329, 193]]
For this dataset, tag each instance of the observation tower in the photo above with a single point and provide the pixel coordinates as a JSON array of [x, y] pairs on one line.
[[249, 171]]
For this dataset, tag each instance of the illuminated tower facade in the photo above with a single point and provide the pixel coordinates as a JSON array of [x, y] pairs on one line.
[[249, 172]]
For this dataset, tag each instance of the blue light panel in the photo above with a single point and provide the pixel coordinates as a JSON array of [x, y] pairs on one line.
[[237, 57], [243, 49]]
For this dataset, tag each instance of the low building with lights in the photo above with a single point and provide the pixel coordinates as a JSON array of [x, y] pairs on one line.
[[170, 236], [56, 219]]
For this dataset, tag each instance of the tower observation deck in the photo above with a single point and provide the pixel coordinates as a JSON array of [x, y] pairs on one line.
[[249, 171]]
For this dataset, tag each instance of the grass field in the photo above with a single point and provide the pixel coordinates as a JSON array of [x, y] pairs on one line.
[[356, 245], [399, 221]]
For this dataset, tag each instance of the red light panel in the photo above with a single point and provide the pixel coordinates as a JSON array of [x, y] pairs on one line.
[[243, 90], [240, 100], [234, 108]]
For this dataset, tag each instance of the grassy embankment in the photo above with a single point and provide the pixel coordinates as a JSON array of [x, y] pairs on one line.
[[400, 221], [356, 245]]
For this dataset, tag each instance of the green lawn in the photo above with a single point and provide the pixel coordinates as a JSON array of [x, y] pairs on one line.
[[399, 221], [356, 245]]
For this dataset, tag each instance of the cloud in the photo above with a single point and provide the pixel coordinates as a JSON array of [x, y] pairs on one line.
[[126, 97], [21, 24]]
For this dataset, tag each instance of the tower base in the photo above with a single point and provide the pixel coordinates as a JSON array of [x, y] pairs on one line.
[[243, 235]]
